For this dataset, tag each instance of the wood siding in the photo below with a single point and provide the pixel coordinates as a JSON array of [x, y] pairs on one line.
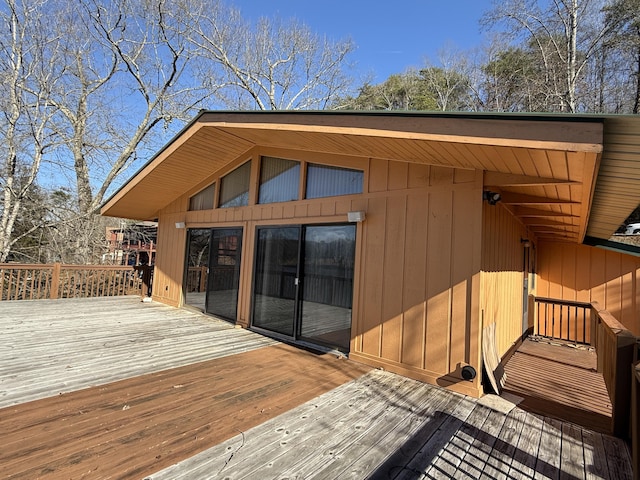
[[588, 274], [503, 257], [416, 284], [420, 261]]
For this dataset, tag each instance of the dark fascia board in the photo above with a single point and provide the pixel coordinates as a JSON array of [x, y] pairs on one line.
[[218, 115], [614, 246]]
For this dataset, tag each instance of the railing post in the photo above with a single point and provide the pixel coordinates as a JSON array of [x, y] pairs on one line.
[[635, 420], [625, 351], [532, 311], [595, 308], [55, 280], [146, 281]]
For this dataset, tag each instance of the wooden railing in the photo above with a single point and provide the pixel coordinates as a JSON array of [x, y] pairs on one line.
[[51, 281], [589, 323], [563, 320], [615, 347]]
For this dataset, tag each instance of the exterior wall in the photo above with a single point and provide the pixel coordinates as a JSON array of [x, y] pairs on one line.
[[417, 271], [417, 301], [503, 267], [586, 274]]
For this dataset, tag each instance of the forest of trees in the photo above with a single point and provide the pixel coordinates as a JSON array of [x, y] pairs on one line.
[[90, 89]]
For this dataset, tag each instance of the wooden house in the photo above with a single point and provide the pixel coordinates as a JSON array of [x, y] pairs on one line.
[[393, 237]]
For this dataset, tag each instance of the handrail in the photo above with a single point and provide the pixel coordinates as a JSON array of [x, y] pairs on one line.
[[566, 320], [56, 280], [615, 347]]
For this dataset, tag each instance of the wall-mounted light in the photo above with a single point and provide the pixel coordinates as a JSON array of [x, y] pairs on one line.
[[526, 243], [358, 216], [491, 197], [180, 225]]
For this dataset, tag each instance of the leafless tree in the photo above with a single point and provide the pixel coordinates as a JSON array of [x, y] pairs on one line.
[[89, 87], [566, 34], [269, 65], [124, 65], [28, 66]]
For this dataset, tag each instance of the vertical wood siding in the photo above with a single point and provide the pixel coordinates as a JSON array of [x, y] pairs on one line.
[[421, 262], [502, 275], [587, 274], [417, 275]]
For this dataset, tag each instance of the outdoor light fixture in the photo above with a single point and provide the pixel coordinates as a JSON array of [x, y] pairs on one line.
[[491, 197], [180, 225], [358, 216], [526, 243]]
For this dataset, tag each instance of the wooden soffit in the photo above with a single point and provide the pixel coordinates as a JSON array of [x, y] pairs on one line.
[[617, 190], [539, 164]]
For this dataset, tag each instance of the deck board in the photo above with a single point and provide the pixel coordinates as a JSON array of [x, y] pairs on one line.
[[161, 393], [55, 346], [169, 415], [558, 380]]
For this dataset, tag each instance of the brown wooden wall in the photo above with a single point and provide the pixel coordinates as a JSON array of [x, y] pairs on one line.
[[503, 267], [417, 278], [417, 308], [582, 273]]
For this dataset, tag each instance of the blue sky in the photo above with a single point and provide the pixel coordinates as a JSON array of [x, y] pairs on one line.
[[390, 35]]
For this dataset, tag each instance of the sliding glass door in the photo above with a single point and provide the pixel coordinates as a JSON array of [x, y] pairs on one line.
[[276, 279], [304, 283], [224, 272], [197, 271], [327, 285], [213, 270]]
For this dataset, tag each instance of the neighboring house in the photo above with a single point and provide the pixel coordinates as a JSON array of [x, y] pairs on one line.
[[395, 236], [131, 244]]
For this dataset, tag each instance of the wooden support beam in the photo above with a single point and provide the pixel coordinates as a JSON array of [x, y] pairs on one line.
[[536, 212], [545, 222], [566, 231], [509, 198], [497, 179]]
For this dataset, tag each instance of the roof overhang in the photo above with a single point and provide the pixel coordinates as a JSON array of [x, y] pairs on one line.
[[544, 166]]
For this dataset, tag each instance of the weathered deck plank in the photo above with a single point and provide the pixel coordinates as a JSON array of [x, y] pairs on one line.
[[168, 415], [55, 346], [187, 396]]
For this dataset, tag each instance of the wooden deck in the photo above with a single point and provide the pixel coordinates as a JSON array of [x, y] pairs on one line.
[[560, 381], [116, 388]]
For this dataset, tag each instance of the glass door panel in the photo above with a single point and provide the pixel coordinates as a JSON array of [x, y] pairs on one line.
[[327, 285], [224, 272], [197, 267], [276, 273]]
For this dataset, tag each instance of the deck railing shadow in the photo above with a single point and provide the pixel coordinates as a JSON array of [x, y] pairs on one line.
[[448, 447]]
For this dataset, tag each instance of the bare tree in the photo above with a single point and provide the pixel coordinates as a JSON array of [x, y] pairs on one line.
[[28, 65], [623, 20], [566, 34], [89, 87], [272, 65], [448, 80], [124, 66]]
